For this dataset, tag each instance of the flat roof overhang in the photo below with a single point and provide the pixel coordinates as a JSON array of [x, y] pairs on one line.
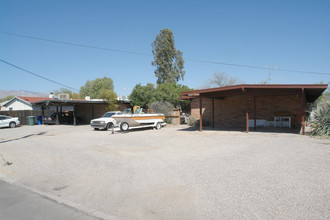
[[66, 102], [312, 91]]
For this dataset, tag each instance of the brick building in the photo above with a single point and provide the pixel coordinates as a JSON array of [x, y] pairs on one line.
[[253, 105]]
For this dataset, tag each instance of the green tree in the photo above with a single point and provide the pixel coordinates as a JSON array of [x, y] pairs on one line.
[[171, 92], [167, 92], [111, 97], [93, 88], [167, 60], [143, 95]]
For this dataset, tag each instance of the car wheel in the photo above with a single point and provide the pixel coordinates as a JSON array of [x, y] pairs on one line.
[[124, 126], [158, 126], [96, 129], [109, 126], [12, 124]]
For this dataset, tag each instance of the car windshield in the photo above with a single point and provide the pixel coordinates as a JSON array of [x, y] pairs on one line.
[[108, 114]]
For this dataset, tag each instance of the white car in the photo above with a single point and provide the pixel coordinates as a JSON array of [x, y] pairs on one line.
[[105, 122], [7, 121]]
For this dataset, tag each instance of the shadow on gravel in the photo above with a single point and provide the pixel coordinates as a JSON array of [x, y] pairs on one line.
[[26, 136], [262, 130]]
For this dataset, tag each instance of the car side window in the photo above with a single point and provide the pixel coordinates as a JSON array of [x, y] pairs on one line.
[[1, 118]]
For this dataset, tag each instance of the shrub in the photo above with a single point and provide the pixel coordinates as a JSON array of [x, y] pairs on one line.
[[165, 108], [320, 119], [192, 121]]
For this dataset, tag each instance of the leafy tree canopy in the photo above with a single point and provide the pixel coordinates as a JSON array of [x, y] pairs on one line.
[[143, 95], [167, 60], [93, 88], [110, 96], [167, 92]]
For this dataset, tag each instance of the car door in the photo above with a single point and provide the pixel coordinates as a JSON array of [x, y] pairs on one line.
[[1, 122], [6, 120]]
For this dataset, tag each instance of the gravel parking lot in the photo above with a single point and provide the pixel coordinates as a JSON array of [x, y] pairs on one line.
[[172, 173]]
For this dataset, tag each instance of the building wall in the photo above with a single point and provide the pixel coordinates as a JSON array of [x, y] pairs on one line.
[[230, 111], [16, 105], [85, 111]]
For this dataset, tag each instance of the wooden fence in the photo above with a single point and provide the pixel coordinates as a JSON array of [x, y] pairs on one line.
[[23, 114]]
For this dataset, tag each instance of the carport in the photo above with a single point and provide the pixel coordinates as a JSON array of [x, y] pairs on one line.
[[234, 105], [85, 110]]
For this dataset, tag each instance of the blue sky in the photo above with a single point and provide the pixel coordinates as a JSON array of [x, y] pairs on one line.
[[288, 34]]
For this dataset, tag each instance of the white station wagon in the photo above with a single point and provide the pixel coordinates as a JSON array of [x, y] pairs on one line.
[[7, 121]]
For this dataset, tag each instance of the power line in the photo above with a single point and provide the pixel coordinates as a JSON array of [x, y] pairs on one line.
[[75, 44], [258, 67], [37, 75], [146, 54]]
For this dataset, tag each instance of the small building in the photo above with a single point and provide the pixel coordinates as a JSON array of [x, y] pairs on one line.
[[252, 105], [19, 103]]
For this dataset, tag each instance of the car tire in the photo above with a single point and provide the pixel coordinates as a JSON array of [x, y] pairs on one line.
[[124, 126], [12, 124], [109, 126], [96, 129], [158, 126]]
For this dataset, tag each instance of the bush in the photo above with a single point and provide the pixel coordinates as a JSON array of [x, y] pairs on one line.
[[320, 119], [165, 108], [192, 121]]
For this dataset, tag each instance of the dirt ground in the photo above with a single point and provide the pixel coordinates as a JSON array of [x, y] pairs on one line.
[[172, 173]]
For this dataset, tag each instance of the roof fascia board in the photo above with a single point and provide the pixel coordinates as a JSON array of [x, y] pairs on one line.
[[17, 98], [259, 86]]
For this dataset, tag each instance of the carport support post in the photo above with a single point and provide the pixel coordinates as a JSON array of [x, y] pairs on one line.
[[74, 116], [92, 110], [200, 113], [303, 106], [255, 112], [247, 114], [43, 111], [212, 112], [57, 121]]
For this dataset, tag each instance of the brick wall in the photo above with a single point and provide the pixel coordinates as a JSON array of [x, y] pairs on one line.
[[230, 111]]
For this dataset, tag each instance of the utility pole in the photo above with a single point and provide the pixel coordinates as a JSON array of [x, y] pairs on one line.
[[270, 71]]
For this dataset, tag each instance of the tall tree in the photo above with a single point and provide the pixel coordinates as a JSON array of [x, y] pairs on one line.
[[93, 88], [167, 60]]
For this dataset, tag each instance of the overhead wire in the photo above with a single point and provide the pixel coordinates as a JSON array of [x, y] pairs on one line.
[[37, 75], [146, 54]]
